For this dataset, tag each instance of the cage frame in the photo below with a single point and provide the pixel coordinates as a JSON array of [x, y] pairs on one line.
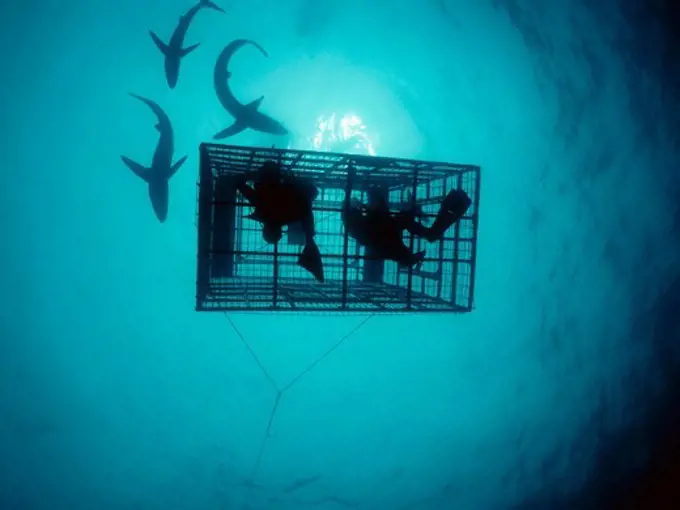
[[206, 203]]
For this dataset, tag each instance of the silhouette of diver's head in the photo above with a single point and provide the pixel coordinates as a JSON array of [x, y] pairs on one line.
[[270, 171], [272, 233]]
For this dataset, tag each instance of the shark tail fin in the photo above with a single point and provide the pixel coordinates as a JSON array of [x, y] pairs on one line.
[[232, 130], [137, 169], [176, 166], [161, 45], [189, 49]]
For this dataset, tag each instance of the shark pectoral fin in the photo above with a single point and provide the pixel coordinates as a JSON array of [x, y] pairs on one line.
[[255, 104], [161, 45], [140, 171], [189, 49], [175, 167], [232, 130]]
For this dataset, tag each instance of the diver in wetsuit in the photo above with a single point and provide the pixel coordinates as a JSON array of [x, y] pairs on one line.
[[281, 200], [381, 231]]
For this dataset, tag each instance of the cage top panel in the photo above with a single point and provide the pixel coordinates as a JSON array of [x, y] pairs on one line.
[[228, 160]]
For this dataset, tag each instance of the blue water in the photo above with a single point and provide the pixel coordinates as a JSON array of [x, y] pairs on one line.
[[116, 394]]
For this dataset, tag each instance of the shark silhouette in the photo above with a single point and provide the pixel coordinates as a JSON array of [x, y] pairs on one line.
[[245, 115], [174, 51], [162, 169]]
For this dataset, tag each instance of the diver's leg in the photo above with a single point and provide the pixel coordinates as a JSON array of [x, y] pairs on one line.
[[415, 227], [310, 258], [407, 221], [308, 227], [441, 224]]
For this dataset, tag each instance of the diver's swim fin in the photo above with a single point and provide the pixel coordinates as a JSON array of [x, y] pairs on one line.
[[453, 208], [310, 259]]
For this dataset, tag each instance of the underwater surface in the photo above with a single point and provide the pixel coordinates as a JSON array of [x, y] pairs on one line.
[[556, 391]]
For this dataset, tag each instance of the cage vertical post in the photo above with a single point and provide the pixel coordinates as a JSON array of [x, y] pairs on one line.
[[409, 287], [205, 199], [275, 297], [345, 249], [275, 291], [475, 226], [456, 244]]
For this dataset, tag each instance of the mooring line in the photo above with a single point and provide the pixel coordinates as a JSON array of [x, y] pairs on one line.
[[323, 356], [256, 466], [257, 360], [279, 393]]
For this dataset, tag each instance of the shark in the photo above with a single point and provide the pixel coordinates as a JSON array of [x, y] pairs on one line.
[[174, 51], [300, 483], [162, 169], [245, 115]]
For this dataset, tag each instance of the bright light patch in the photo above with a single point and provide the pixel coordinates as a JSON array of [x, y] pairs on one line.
[[346, 133]]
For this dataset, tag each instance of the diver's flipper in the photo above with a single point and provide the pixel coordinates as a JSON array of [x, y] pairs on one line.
[[310, 259], [161, 45], [232, 130], [189, 49], [176, 166], [140, 171], [457, 202], [453, 208]]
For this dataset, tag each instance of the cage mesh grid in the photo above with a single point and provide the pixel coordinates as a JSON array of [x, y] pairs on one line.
[[237, 270]]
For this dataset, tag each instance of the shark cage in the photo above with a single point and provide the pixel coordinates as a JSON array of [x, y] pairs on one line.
[[238, 271]]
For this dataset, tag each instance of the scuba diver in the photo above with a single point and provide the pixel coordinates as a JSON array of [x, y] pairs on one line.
[[376, 228], [279, 201]]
